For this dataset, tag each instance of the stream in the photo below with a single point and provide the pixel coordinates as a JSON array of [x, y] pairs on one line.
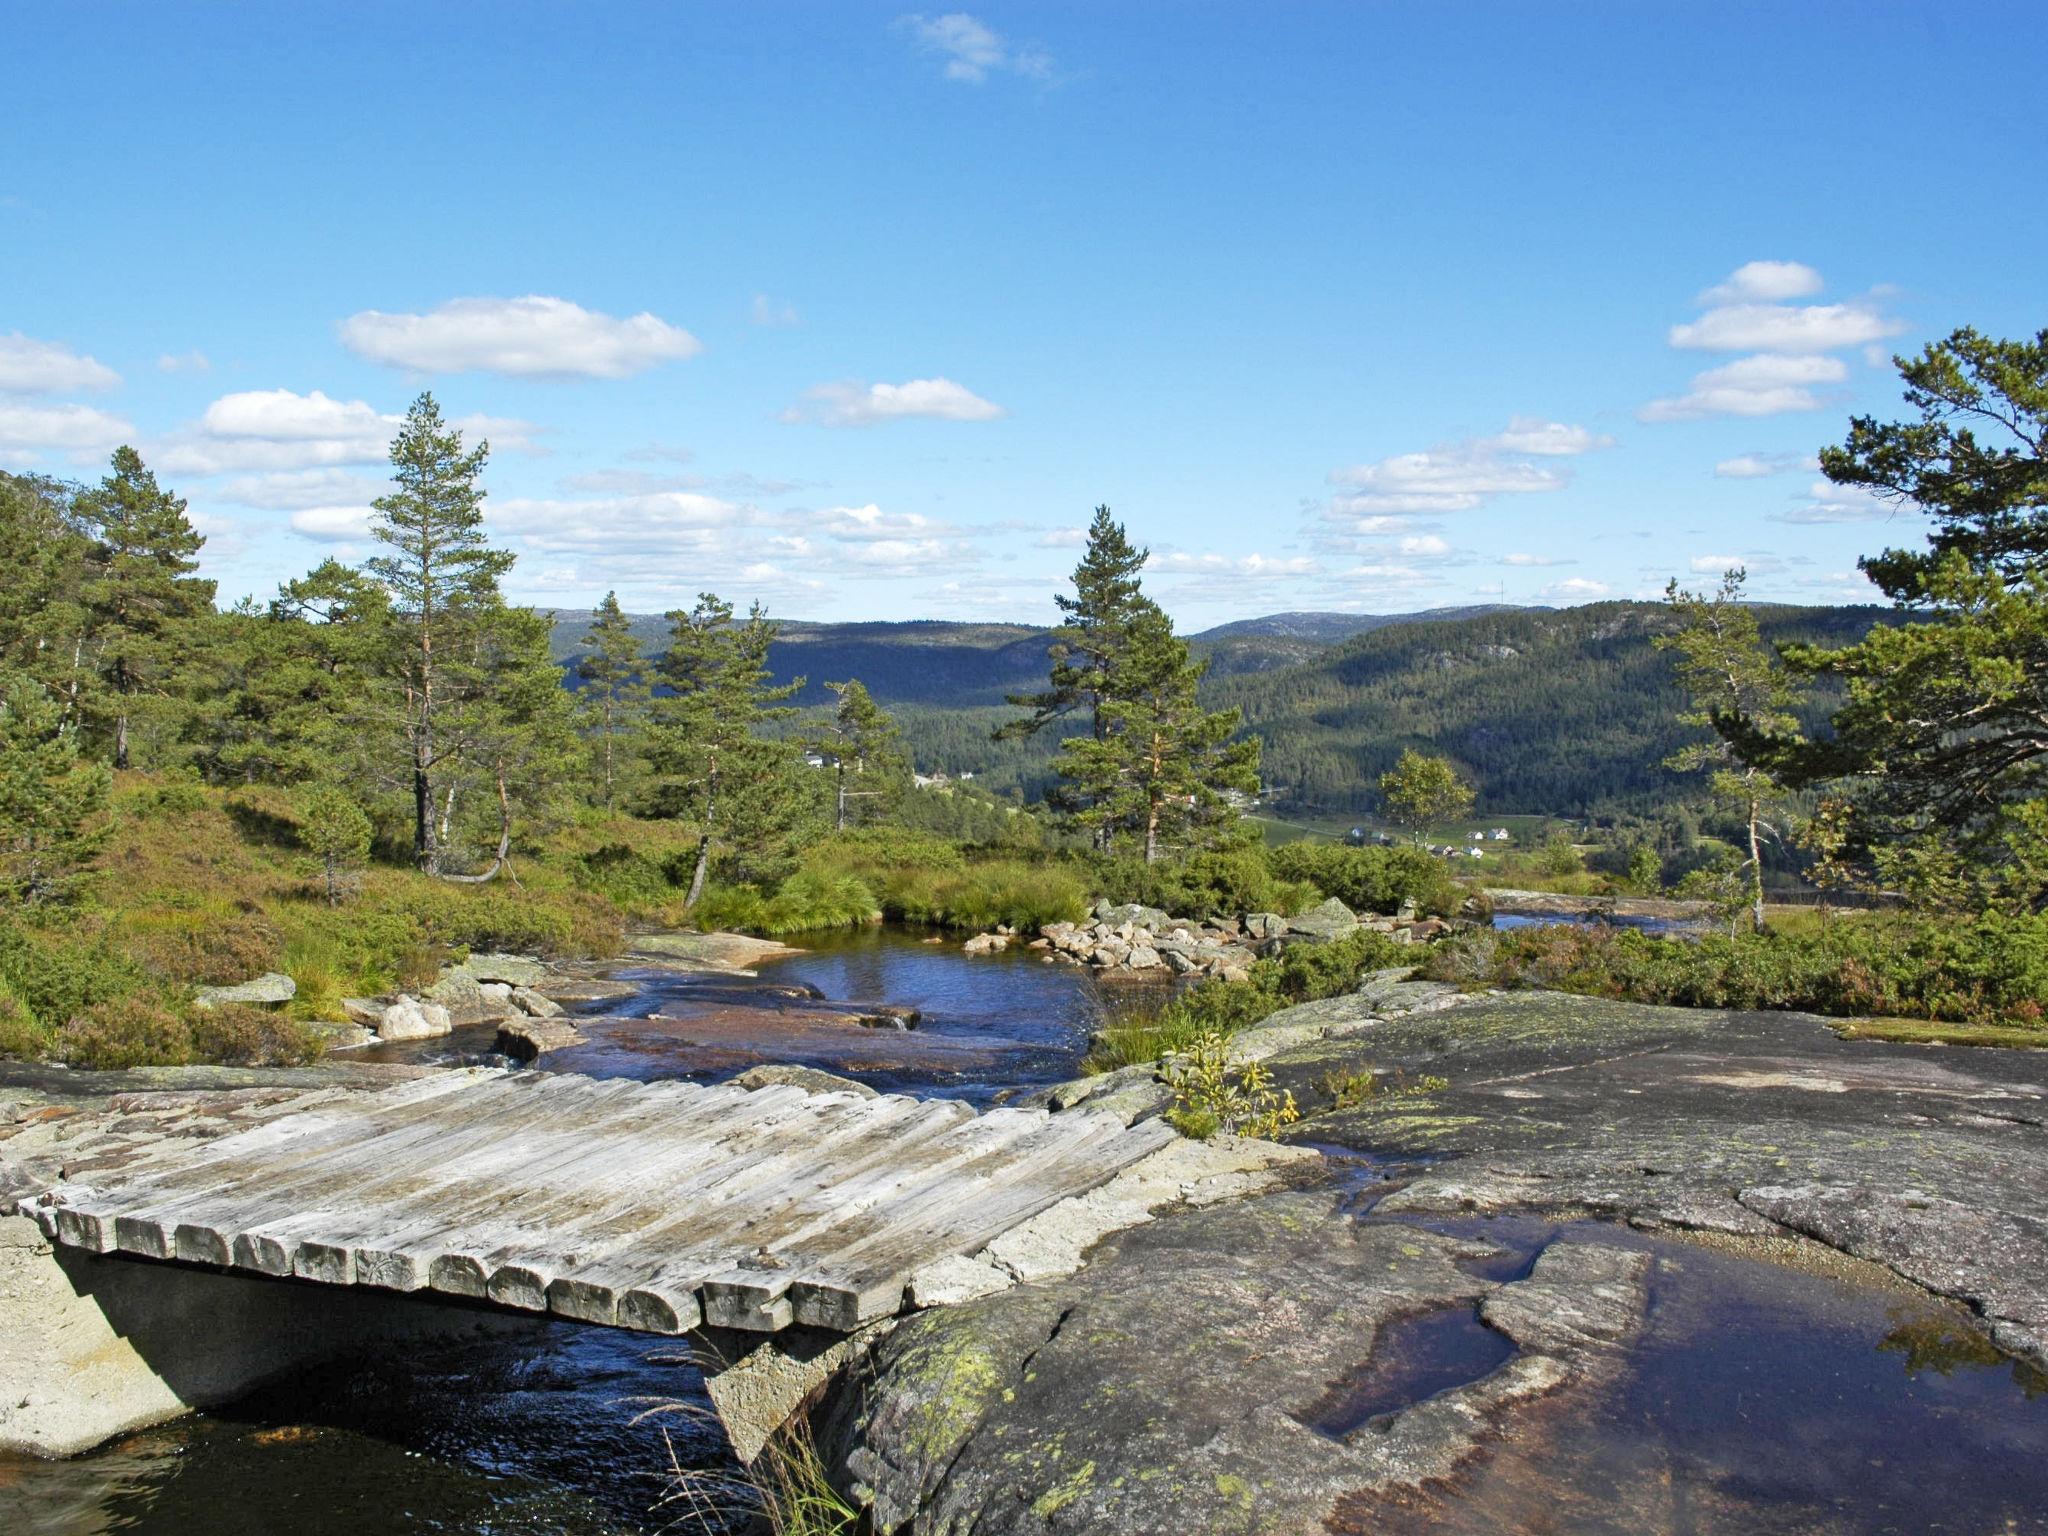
[[1760, 1398]]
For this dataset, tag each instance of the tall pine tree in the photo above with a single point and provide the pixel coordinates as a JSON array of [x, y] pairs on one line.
[[1099, 616], [615, 688], [1159, 767], [864, 741], [712, 767], [143, 605], [440, 572]]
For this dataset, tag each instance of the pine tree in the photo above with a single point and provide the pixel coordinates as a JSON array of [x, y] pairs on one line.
[[51, 802], [742, 791], [1745, 698], [336, 834], [439, 572], [44, 555], [143, 605], [1159, 765], [1099, 615], [613, 676], [862, 738]]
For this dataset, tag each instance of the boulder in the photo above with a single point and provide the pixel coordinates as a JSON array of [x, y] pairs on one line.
[[411, 1018], [528, 1039], [1264, 925], [512, 970], [1143, 957], [271, 987], [1329, 920], [366, 1011], [532, 1004], [986, 944], [810, 1079]]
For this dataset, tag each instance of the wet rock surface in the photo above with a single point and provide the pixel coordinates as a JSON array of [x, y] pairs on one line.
[[1177, 1383], [1930, 1161]]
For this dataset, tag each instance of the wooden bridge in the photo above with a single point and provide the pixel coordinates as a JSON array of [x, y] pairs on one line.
[[650, 1206]]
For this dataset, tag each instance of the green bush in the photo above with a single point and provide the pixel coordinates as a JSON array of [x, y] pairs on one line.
[[638, 881], [1373, 879], [125, 1032], [22, 1038], [1224, 882], [1302, 973], [56, 976], [1987, 970], [1021, 895], [241, 1036]]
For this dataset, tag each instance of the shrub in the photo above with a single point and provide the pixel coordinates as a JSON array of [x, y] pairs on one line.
[[240, 1036], [1373, 879], [195, 939], [22, 1036], [1211, 1095], [54, 976], [126, 1032], [641, 882], [1221, 883], [1985, 970]]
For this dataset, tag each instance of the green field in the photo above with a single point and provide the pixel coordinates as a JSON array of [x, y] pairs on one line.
[[1524, 832]]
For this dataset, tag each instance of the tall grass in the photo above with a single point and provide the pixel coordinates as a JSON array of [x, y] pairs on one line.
[[786, 1489]]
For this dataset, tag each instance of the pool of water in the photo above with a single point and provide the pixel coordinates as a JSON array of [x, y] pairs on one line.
[[990, 1024], [1508, 920]]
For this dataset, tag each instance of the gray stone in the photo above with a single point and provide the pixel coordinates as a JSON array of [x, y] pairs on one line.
[[810, 1079], [366, 1011], [410, 1018], [271, 987], [530, 1002], [1143, 957], [512, 970], [1327, 920], [528, 1039], [949, 1282]]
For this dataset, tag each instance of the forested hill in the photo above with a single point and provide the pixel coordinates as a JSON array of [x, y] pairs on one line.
[[964, 666], [1568, 711]]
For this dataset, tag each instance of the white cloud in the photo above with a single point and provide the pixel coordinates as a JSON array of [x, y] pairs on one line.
[[1549, 439], [530, 337], [278, 430], [1251, 567], [1756, 466], [970, 51], [1534, 560], [1827, 502], [852, 403], [1575, 587], [332, 524], [1459, 476], [300, 490], [1712, 565], [767, 311], [78, 430], [1062, 538], [629, 524], [1425, 546], [1762, 385], [1764, 281], [32, 367], [1783, 328], [194, 361]]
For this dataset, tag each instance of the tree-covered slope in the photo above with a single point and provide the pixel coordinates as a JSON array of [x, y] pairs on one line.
[[1565, 712]]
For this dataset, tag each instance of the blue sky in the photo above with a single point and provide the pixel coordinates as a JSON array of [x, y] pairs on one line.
[[860, 311]]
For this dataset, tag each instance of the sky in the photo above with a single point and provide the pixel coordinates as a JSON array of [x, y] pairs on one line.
[[860, 312]]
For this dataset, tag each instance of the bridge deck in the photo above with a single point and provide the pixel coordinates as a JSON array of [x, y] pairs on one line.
[[651, 1206]]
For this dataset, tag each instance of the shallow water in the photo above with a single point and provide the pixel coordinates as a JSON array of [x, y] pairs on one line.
[[1760, 1398], [1507, 920]]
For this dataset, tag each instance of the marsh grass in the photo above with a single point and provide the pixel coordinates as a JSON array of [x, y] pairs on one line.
[[785, 1490]]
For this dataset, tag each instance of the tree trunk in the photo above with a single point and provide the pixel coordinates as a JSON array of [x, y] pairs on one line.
[[697, 875], [839, 818], [121, 740], [1152, 835], [504, 837], [1756, 867], [608, 751]]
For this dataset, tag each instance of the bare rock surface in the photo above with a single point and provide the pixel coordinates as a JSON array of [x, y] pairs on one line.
[[271, 987], [527, 1039], [727, 953]]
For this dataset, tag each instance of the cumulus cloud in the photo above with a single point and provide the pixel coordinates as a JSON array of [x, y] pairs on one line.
[[1425, 546], [1458, 476], [277, 430], [1575, 588], [1763, 385], [969, 50], [1763, 282], [301, 490], [1783, 328], [530, 337], [333, 525], [75, 430], [1534, 560], [1549, 439], [32, 367], [852, 403]]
